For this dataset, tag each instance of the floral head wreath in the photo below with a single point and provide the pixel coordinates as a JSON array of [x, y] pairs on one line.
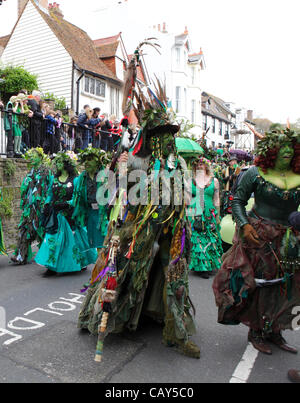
[[276, 139], [90, 153], [40, 152], [202, 160], [67, 156]]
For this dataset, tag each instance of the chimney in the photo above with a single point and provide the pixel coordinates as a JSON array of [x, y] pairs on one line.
[[164, 28], [186, 31], [54, 9], [250, 115], [158, 27], [22, 4]]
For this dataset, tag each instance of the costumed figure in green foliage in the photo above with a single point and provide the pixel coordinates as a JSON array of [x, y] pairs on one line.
[[206, 241], [2, 244], [143, 268], [34, 191], [230, 174], [65, 248], [259, 282], [87, 212]]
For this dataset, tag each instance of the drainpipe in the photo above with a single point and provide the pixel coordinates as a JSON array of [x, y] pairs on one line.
[[78, 90]]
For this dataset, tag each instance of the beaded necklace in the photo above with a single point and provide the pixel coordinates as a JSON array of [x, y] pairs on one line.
[[283, 194]]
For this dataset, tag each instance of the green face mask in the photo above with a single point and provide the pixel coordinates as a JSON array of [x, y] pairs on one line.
[[284, 156], [167, 142], [35, 160], [60, 166], [91, 166]]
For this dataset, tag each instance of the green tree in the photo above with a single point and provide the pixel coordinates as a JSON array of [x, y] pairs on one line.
[[59, 103], [15, 79]]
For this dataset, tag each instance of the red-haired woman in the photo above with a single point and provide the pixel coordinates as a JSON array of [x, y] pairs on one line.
[[259, 282]]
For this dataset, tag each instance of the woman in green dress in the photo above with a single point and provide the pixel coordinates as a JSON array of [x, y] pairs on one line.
[[65, 248], [259, 282], [206, 241], [87, 211]]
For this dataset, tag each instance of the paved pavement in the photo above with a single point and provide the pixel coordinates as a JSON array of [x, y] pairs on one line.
[[41, 342]]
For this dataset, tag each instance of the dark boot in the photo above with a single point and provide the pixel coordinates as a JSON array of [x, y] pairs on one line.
[[279, 341], [14, 260], [204, 275], [294, 376], [258, 342]]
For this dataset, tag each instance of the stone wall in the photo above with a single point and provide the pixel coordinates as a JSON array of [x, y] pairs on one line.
[[11, 191]]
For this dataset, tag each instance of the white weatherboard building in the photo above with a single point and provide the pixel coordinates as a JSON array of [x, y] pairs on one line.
[[63, 57], [181, 70]]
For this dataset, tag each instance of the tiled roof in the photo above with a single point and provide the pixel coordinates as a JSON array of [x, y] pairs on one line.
[[216, 108], [107, 50], [78, 44], [4, 40], [108, 40]]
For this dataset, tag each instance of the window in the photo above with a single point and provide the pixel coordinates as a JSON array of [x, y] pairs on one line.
[[214, 126], [193, 111], [178, 59], [193, 75], [94, 86], [220, 130], [178, 99], [114, 101], [87, 84], [117, 101], [204, 123]]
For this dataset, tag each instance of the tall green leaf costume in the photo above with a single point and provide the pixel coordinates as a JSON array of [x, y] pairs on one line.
[[143, 268], [34, 191]]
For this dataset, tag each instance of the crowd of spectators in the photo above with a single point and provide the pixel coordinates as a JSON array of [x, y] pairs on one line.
[[33, 123]]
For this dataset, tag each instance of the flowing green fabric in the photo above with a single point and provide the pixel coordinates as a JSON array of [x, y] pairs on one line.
[[206, 241], [68, 249], [95, 220], [65, 252]]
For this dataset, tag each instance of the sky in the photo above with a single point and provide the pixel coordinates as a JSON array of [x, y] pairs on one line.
[[250, 47]]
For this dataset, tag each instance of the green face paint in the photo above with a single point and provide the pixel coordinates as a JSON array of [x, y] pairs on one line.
[[60, 166], [284, 157], [91, 166], [168, 146], [35, 160]]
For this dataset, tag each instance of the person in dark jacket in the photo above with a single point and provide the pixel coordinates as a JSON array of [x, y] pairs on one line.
[[105, 134], [86, 122], [36, 120]]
